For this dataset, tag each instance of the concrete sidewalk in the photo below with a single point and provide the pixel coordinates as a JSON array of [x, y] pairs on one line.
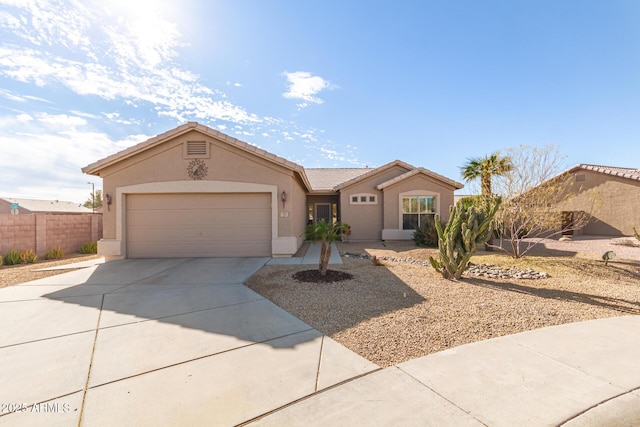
[[311, 257], [581, 374]]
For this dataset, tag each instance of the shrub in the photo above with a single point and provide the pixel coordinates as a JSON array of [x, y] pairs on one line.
[[28, 256], [89, 248], [426, 235], [635, 233], [54, 253], [12, 257]]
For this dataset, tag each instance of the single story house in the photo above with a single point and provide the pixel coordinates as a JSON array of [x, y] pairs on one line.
[[616, 193], [196, 192], [30, 206]]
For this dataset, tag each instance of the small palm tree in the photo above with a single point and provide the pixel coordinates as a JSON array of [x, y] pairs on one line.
[[485, 168], [326, 234]]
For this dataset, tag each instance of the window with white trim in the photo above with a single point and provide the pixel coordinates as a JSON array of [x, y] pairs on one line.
[[363, 199], [416, 210]]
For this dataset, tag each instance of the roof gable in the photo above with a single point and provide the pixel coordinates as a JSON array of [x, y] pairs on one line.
[[373, 172], [96, 167], [456, 185]]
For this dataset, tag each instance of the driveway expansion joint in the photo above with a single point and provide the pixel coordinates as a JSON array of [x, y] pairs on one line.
[[93, 352], [596, 405]]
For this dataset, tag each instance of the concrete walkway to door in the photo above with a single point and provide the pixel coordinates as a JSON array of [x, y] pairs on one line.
[[157, 342]]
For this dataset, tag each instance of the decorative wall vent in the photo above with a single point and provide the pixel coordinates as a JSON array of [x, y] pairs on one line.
[[581, 178], [196, 149]]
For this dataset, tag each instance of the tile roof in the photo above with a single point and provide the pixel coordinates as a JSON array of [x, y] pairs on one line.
[[372, 171], [325, 179], [94, 168], [629, 173], [51, 206]]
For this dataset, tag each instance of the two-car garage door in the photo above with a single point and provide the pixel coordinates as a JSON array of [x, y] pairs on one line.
[[198, 225]]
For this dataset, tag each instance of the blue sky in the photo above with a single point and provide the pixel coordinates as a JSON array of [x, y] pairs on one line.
[[324, 84]]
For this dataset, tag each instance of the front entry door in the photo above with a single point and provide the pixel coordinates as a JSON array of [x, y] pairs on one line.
[[323, 212]]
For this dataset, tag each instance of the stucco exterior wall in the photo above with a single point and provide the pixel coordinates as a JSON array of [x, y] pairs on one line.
[[166, 163], [366, 220], [418, 184], [617, 203]]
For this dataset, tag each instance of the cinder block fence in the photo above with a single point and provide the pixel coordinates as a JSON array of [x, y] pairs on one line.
[[42, 232]]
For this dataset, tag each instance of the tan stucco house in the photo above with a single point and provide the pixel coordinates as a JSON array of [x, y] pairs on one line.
[[196, 192], [616, 194]]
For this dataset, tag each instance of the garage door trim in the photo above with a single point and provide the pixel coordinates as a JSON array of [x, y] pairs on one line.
[[187, 187]]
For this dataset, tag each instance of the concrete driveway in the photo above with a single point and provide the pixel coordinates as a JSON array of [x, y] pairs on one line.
[[157, 342]]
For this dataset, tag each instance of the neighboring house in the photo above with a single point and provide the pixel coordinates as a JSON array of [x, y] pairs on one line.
[[31, 206], [616, 192], [196, 192]]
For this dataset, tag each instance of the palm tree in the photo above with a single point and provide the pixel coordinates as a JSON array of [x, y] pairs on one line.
[[326, 234], [485, 168]]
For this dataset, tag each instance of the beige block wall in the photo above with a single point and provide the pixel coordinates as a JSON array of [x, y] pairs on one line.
[[42, 232], [17, 232], [617, 208]]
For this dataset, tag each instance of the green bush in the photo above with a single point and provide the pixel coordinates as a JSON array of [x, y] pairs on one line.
[[12, 257], [54, 253], [28, 256], [89, 248], [426, 235]]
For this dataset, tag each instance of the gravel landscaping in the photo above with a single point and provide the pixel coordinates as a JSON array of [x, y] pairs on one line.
[[20, 273], [404, 309]]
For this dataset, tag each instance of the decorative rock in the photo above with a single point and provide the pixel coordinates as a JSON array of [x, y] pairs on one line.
[[478, 270]]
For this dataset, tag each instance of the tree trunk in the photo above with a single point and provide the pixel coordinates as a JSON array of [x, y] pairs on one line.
[[325, 254]]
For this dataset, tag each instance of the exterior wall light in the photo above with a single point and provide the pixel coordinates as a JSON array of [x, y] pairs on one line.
[[283, 197]]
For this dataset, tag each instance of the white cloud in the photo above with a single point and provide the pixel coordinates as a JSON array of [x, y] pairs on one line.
[[94, 50], [304, 86], [43, 154]]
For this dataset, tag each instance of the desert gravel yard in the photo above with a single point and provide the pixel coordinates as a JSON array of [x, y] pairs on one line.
[[400, 311], [14, 274]]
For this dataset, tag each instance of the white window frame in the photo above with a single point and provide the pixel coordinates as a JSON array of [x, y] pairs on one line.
[[417, 193], [367, 197]]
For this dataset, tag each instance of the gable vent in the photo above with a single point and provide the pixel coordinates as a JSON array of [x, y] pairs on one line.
[[196, 149]]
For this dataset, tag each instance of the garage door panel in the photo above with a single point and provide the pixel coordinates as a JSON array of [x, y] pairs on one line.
[[212, 218], [198, 225]]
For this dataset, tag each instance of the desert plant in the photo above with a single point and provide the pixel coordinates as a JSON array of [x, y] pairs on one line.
[[467, 228], [635, 233], [326, 234], [608, 256], [426, 235], [12, 257], [89, 248], [28, 256], [54, 253]]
